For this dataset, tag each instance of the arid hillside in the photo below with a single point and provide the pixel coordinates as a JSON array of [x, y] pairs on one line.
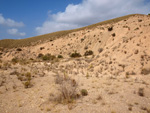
[[102, 68]]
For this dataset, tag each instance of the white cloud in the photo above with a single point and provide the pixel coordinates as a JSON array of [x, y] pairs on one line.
[[91, 11], [15, 32], [9, 22]]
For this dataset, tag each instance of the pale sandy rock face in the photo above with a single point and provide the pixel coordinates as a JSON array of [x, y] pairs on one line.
[[116, 76]]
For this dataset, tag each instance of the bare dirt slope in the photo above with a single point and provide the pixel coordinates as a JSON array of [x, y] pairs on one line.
[[112, 77]]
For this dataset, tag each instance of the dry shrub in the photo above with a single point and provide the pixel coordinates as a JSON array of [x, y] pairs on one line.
[[18, 49], [15, 60], [110, 28], [145, 71], [75, 55], [67, 89], [100, 50], [141, 92], [87, 53]]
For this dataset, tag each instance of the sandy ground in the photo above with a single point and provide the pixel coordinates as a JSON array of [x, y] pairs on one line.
[[117, 77], [106, 93]]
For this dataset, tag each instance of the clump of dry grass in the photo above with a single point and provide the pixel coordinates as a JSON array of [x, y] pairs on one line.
[[67, 91], [25, 78], [145, 71]]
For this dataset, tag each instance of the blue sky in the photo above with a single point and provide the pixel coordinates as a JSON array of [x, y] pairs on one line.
[[27, 18]]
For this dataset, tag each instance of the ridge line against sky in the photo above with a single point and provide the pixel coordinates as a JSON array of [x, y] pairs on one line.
[[27, 18]]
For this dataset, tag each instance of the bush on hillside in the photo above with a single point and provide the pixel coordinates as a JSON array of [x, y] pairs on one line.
[[145, 71], [59, 56], [87, 53], [100, 50], [40, 55], [15, 60], [75, 54], [110, 28], [48, 57], [18, 49]]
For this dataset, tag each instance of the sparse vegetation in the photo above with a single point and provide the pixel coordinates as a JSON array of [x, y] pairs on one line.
[[40, 55], [18, 49], [141, 92], [113, 34], [145, 71], [86, 47], [110, 28], [99, 97], [15, 60], [75, 55], [48, 57], [139, 20], [136, 28], [27, 84], [100, 50], [130, 73], [41, 48], [67, 90], [82, 39], [11, 43], [87, 53], [59, 56], [113, 70], [84, 92], [136, 52]]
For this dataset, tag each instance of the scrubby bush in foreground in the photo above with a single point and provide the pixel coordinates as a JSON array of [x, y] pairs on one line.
[[67, 91]]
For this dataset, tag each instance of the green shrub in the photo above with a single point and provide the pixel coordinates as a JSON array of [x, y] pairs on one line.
[[45, 58], [59, 56], [75, 54], [28, 76], [84, 92], [40, 55], [87, 53], [15, 60], [48, 57], [82, 39], [27, 84]]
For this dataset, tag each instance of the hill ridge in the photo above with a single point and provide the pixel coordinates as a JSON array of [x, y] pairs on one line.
[[12, 43]]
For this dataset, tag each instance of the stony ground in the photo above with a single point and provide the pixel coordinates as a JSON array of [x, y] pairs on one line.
[[114, 78], [106, 93]]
